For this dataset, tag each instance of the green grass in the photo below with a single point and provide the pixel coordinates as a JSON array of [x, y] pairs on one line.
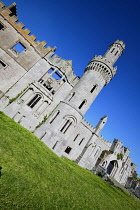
[[33, 177]]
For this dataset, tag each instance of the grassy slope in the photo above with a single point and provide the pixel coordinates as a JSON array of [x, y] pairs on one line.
[[33, 177]]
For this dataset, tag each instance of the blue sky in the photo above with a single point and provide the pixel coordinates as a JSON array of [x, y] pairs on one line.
[[83, 28]]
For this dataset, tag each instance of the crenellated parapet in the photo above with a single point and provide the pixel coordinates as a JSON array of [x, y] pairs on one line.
[[7, 14], [103, 66]]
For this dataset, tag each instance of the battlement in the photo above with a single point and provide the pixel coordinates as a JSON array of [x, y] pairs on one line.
[[88, 125], [7, 14]]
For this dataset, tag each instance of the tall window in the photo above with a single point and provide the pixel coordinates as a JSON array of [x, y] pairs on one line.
[[81, 141], [76, 137], [34, 100], [55, 116], [82, 104], [2, 64], [70, 121], [94, 87], [112, 50], [116, 53]]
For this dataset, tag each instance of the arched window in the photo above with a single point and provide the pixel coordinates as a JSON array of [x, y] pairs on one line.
[[34, 100], [66, 126], [69, 122], [55, 116], [82, 104]]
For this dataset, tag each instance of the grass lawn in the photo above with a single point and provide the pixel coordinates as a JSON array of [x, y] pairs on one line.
[[33, 177]]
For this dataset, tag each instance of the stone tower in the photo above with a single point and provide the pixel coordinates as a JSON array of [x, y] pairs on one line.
[[97, 74], [100, 125], [69, 113]]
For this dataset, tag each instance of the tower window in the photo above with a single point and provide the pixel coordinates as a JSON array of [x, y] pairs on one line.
[[112, 50], [82, 104], [116, 53], [81, 141], [34, 100], [2, 64], [94, 87], [76, 137], [68, 149], [18, 48]]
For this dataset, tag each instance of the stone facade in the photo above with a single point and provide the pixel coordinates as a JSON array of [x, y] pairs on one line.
[[40, 91]]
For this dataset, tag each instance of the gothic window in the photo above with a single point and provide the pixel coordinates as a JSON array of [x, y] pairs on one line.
[[34, 100], [1, 26], [18, 48], [82, 104], [69, 122], [94, 87], [76, 137], [55, 116], [68, 149], [71, 96], [81, 141], [66, 126], [2, 64]]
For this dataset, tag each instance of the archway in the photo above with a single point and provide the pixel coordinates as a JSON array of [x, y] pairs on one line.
[[112, 165]]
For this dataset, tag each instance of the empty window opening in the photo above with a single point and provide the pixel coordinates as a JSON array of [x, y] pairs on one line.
[[55, 116], [34, 100], [51, 71], [81, 141], [116, 53], [82, 104], [2, 65], [1, 26], [94, 87], [57, 75], [66, 126], [68, 149], [18, 48], [76, 137]]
